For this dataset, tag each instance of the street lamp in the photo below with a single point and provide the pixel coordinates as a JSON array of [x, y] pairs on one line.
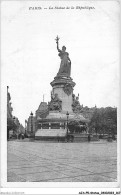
[[31, 115], [67, 114]]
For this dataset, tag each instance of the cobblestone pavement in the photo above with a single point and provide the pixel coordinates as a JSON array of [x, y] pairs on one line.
[[62, 162]]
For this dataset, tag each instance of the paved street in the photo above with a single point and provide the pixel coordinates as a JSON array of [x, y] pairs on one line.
[[62, 162]]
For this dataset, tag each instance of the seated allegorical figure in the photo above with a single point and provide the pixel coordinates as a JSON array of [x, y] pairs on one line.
[[55, 103]]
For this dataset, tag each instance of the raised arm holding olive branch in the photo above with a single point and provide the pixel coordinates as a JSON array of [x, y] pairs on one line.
[[57, 41]]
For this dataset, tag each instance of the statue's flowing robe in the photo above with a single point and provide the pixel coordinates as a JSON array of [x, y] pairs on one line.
[[65, 66]]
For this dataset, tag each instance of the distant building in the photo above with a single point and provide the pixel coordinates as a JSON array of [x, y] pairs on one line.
[[21, 129], [12, 122], [42, 110], [31, 125]]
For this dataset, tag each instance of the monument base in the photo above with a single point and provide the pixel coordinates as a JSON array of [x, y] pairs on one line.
[[51, 134], [54, 125]]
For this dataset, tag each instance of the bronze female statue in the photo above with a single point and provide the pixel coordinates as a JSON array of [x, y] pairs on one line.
[[65, 65]]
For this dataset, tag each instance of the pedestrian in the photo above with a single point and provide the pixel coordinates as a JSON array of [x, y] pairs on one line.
[[88, 138]]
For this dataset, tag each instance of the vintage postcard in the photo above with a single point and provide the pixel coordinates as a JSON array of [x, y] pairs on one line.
[[60, 81]]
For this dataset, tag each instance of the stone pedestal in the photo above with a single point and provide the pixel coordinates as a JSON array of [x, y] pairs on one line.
[[63, 86]]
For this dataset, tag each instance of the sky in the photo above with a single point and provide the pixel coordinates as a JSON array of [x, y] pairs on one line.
[[30, 59]]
